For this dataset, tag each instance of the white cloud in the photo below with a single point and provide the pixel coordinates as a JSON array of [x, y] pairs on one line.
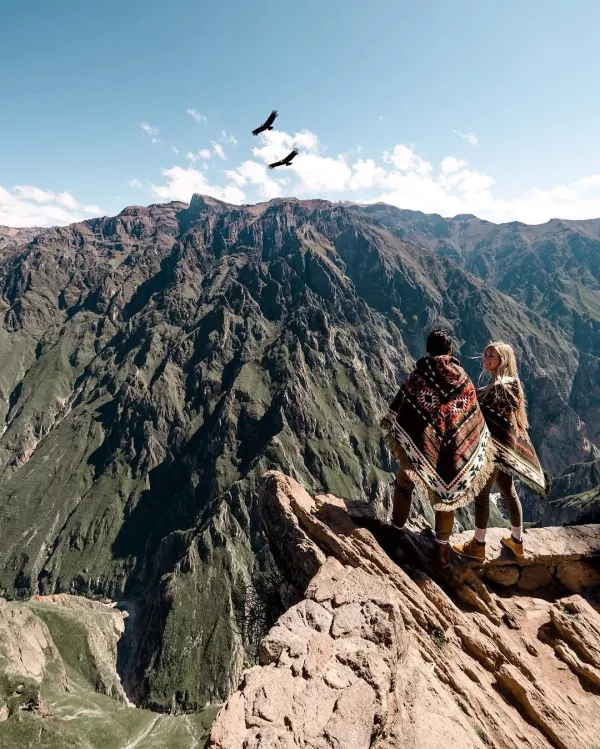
[[218, 150], [228, 138], [587, 182], [26, 205], [28, 192], [68, 201], [183, 183], [451, 164], [366, 174], [253, 173], [405, 159], [408, 180], [197, 115], [321, 174], [401, 177], [174, 149], [151, 131], [470, 137], [202, 153]]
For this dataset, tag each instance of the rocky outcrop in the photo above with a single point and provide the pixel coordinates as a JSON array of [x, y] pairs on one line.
[[12, 237], [382, 650], [575, 496], [59, 682], [566, 556], [29, 632]]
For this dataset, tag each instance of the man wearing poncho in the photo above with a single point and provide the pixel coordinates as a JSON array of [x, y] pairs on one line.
[[435, 427]]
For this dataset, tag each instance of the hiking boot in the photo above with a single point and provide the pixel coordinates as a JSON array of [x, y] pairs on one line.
[[443, 555], [472, 549], [515, 546]]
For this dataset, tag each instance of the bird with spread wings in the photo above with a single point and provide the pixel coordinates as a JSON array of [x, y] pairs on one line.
[[286, 161], [267, 124]]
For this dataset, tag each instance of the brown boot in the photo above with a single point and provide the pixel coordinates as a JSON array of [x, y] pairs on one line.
[[443, 554], [515, 546], [472, 549]]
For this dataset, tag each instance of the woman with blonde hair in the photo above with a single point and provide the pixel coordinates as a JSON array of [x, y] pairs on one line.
[[503, 405]]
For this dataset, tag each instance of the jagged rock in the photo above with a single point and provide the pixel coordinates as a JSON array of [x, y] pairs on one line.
[[578, 575], [578, 623], [535, 577], [26, 643], [377, 654], [503, 575], [574, 497], [28, 647]]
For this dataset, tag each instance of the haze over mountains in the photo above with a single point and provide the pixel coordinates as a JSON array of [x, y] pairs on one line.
[[154, 364]]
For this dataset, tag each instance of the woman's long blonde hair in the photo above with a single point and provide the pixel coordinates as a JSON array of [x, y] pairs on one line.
[[508, 368]]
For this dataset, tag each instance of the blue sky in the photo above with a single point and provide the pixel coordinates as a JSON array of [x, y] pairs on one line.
[[96, 101]]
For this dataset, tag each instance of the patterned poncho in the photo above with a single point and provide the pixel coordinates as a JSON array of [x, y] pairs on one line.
[[435, 421], [514, 452]]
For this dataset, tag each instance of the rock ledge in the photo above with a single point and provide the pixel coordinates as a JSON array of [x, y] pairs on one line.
[[381, 651]]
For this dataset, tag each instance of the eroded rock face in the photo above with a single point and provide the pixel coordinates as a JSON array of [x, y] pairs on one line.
[[575, 496], [59, 681], [90, 630], [378, 654], [26, 643]]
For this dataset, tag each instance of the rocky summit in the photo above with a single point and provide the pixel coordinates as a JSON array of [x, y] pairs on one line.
[[155, 364]]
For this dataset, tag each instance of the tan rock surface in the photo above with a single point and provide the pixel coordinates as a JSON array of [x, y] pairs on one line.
[[384, 651], [26, 643], [545, 546], [569, 556]]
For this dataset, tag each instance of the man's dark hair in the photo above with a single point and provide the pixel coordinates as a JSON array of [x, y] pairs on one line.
[[439, 343]]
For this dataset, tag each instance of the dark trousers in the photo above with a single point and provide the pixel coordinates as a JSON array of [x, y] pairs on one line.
[[444, 521]]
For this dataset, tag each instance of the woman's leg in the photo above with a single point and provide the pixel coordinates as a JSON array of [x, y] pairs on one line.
[[403, 489], [508, 492], [475, 548], [482, 508]]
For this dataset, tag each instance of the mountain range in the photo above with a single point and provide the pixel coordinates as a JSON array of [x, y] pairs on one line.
[[153, 365]]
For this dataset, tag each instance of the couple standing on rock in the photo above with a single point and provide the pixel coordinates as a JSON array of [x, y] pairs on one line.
[[455, 442]]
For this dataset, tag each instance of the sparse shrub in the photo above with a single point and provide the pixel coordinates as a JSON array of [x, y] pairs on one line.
[[439, 638], [257, 610]]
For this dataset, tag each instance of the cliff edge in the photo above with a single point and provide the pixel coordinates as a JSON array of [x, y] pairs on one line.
[[383, 650]]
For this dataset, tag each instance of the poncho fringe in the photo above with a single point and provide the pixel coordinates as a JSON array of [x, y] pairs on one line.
[[464, 499]]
